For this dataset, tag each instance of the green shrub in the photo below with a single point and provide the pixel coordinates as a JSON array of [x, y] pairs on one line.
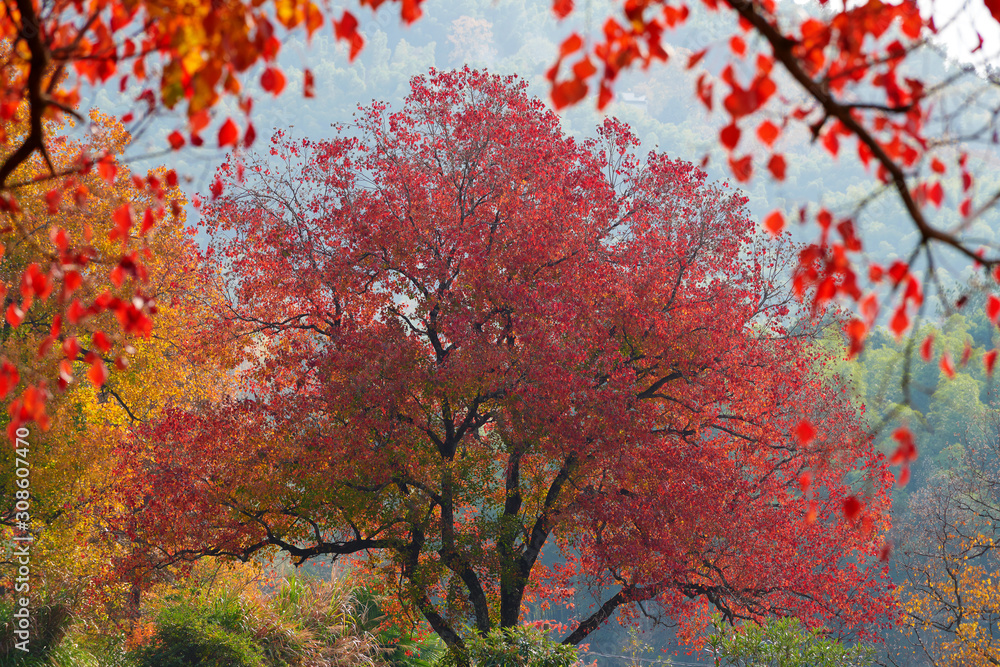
[[510, 647], [208, 635]]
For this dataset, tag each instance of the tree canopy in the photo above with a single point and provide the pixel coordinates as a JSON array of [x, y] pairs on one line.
[[468, 337]]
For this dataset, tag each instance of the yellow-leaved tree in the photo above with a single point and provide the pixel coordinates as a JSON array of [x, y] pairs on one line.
[[52, 482]]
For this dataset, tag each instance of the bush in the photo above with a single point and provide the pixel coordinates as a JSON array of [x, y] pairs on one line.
[[305, 623], [510, 647], [206, 635]]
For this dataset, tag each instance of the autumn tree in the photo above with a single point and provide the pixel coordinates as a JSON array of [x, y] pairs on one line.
[[949, 554], [70, 464], [844, 73], [468, 337]]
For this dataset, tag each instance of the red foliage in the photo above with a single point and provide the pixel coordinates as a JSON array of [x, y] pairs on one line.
[[499, 338]]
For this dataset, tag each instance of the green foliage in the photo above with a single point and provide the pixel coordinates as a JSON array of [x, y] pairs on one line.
[[782, 643], [510, 647], [189, 640], [304, 622]]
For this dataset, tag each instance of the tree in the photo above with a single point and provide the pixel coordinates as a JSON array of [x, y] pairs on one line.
[[185, 56], [468, 336], [855, 67], [782, 643], [949, 553], [63, 472]]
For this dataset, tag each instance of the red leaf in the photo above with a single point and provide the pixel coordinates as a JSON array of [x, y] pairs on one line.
[[229, 134], [831, 143], [946, 366], [768, 132], [965, 208], [52, 200], [98, 373], [9, 377], [805, 481], [926, 347], [568, 92], [272, 80], [852, 508], [993, 308], [777, 166], [742, 168], [572, 43], [14, 315], [308, 84], [856, 332], [122, 218], [935, 194], [107, 169], [347, 29], [730, 136], [937, 166], [900, 321], [990, 361], [994, 7], [101, 341], [737, 45], [805, 433], [584, 69], [774, 223], [696, 58], [906, 450], [562, 8]]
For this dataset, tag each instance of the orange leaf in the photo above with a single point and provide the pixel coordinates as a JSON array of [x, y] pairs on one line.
[[314, 19], [937, 166]]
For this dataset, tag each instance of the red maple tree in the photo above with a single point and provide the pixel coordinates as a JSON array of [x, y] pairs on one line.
[[468, 336], [850, 63]]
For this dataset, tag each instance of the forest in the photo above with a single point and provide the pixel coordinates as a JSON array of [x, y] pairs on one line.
[[437, 334]]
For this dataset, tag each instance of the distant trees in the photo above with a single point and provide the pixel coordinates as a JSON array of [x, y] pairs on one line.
[[468, 337], [949, 553]]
